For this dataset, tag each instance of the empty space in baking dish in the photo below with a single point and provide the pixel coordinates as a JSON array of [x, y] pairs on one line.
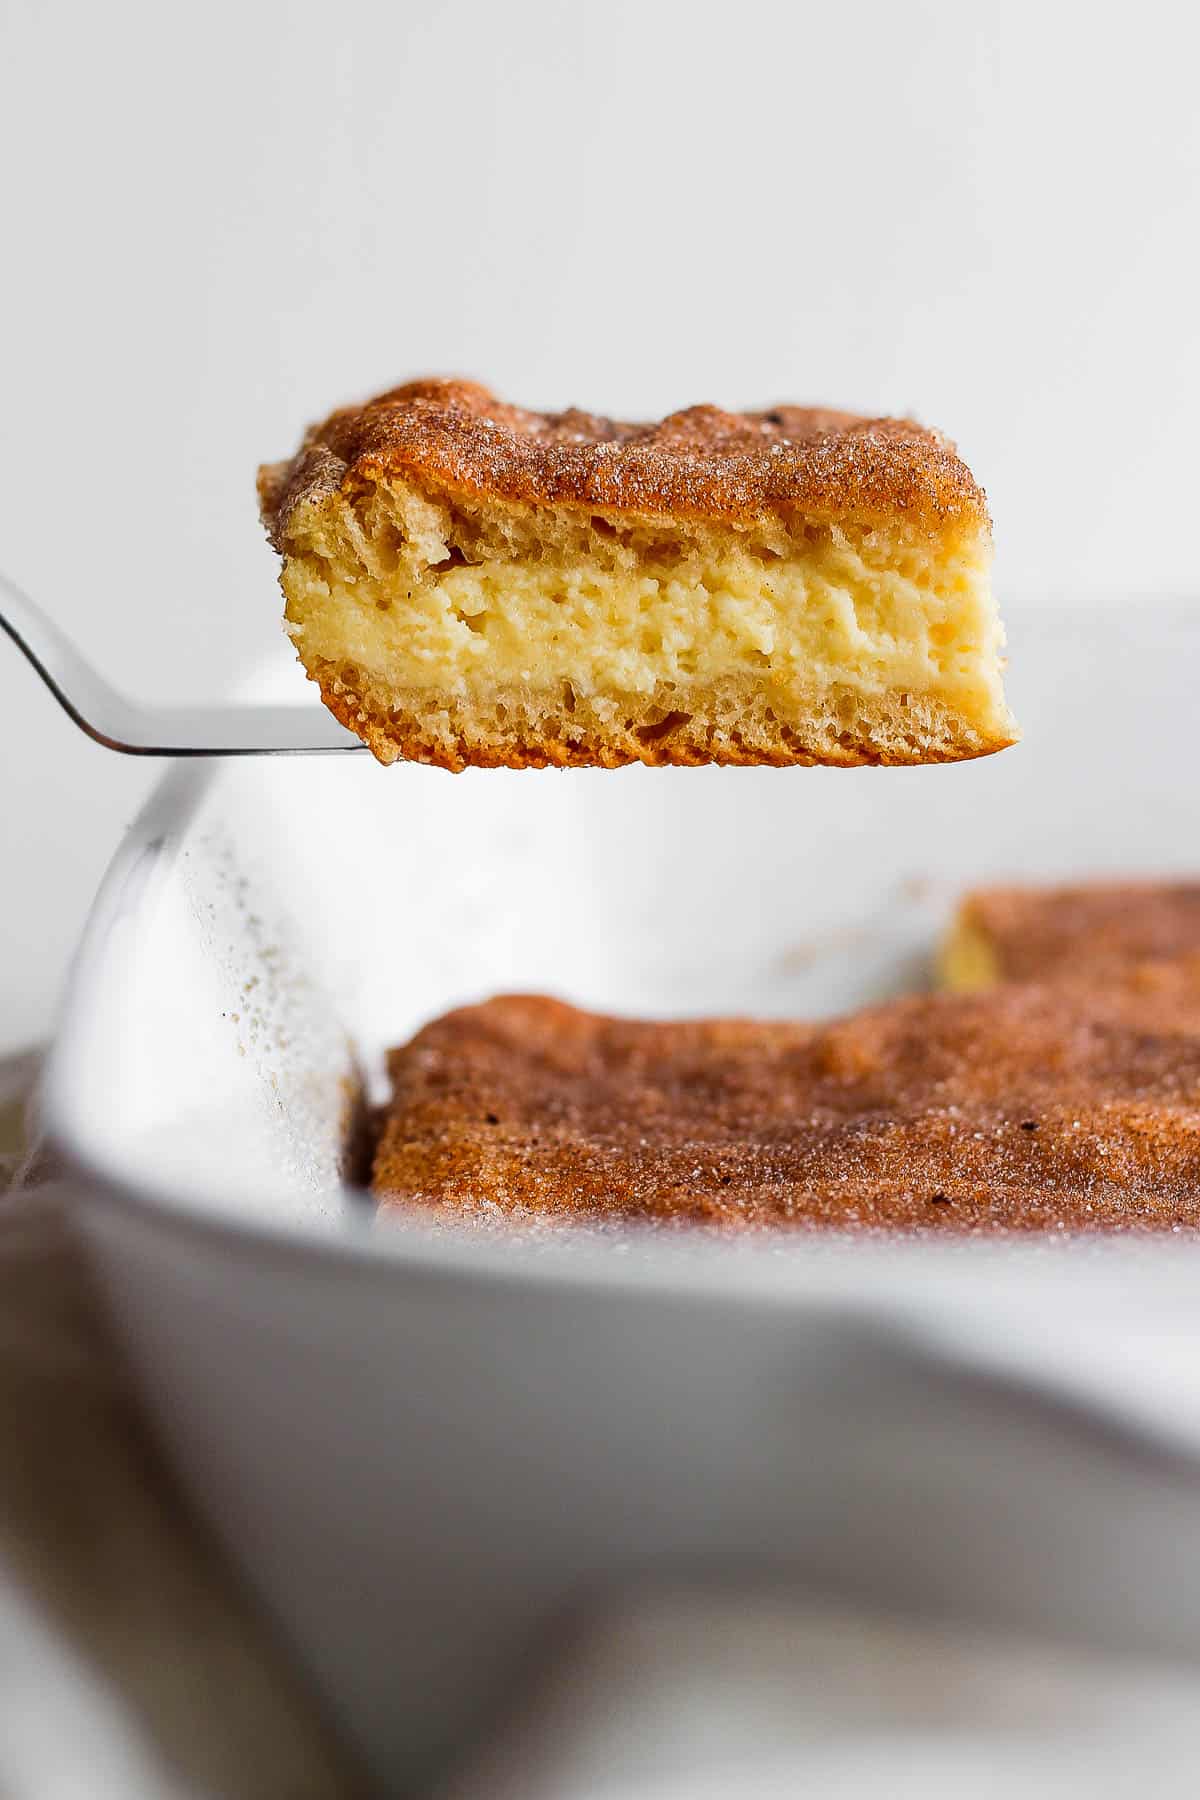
[[269, 928]]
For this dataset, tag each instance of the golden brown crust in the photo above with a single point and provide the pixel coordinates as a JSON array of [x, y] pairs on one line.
[[702, 464], [842, 729], [1054, 1108], [1035, 934]]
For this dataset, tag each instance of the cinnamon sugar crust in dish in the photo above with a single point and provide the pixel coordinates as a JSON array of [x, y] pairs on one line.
[[1053, 1108], [1086, 929], [470, 582]]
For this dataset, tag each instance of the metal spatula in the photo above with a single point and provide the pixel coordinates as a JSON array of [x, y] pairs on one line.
[[138, 730]]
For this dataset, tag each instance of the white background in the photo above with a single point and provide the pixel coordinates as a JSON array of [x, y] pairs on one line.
[[220, 220]]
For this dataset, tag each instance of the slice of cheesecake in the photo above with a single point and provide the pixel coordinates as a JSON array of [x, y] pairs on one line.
[[473, 584], [1039, 934], [1035, 1107]]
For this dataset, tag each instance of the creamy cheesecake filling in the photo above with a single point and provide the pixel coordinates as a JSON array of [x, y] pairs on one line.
[[967, 961], [411, 591]]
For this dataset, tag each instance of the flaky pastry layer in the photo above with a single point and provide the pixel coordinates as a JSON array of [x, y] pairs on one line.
[[731, 722]]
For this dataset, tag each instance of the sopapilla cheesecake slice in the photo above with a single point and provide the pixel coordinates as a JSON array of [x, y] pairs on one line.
[[1085, 929], [471, 583]]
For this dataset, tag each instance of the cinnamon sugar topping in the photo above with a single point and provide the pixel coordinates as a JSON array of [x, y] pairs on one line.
[[1027, 1108], [699, 464]]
